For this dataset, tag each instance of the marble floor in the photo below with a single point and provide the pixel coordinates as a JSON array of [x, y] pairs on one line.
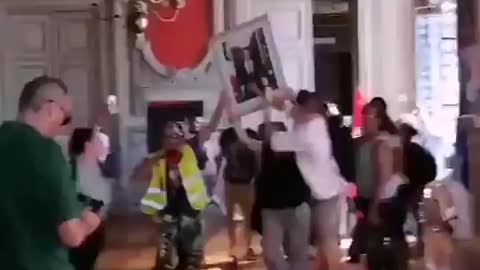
[[131, 244]]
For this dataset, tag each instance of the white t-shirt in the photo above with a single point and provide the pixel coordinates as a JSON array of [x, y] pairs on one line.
[[91, 182], [313, 148]]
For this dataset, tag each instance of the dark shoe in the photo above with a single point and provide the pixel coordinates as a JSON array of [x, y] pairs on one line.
[[354, 259], [233, 263], [251, 255]]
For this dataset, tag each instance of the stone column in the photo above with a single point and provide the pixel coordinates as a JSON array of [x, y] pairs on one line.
[[386, 35], [469, 46]]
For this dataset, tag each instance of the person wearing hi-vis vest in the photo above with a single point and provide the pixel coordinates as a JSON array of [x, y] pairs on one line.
[[175, 199]]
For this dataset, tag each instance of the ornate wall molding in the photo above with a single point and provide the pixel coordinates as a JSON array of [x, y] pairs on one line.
[[145, 46]]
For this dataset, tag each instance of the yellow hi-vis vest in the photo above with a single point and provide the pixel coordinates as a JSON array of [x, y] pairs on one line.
[[155, 198]]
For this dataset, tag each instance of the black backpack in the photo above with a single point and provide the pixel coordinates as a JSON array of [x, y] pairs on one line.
[[241, 165], [420, 165], [342, 146]]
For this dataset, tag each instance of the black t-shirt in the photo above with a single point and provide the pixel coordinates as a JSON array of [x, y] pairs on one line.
[[177, 200], [280, 183], [241, 165], [419, 165], [200, 153]]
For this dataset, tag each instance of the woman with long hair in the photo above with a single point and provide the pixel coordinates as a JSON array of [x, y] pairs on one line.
[[386, 248], [87, 149], [239, 173]]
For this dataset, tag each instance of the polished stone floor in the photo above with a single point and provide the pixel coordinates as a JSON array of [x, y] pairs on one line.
[[131, 244]]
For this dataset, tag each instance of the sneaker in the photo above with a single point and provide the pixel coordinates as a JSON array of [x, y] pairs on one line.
[[237, 217]]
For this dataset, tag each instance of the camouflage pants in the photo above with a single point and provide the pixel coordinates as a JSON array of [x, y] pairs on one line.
[[180, 243]]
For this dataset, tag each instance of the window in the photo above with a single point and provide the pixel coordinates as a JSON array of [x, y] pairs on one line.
[[437, 78]]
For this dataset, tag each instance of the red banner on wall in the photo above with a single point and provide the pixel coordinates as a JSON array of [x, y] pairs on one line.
[[179, 39]]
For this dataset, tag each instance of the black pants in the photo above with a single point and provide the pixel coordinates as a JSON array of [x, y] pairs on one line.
[[384, 252], [360, 232], [416, 197], [387, 248], [85, 256]]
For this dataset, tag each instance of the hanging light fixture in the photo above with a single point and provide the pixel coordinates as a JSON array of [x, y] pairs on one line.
[[138, 20], [141, 22]]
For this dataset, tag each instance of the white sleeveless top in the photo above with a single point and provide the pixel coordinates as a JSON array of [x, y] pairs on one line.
[[397, 179]]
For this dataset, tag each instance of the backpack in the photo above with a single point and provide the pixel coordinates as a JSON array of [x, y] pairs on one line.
[[420, 165], [241, 165], [342, 147]]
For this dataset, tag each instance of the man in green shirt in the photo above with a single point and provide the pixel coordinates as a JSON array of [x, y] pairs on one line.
[[40, 217]]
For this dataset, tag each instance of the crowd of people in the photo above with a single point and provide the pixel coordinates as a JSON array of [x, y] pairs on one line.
[[288, 181]]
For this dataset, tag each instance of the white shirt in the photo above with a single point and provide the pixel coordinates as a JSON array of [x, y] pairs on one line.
[[91, 182], [313, 148]]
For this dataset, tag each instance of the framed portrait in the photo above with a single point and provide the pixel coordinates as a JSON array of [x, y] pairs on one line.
[[248, 62]]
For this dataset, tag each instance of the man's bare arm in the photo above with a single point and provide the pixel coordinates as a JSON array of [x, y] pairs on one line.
[[74, 232], [144, 170]]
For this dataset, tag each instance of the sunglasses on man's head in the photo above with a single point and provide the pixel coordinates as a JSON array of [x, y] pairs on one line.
[[67, 119]]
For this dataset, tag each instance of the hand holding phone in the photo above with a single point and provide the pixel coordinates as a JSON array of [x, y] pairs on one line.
[[94, 205]]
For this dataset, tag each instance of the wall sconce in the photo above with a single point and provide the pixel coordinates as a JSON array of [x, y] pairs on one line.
[[138, 21]]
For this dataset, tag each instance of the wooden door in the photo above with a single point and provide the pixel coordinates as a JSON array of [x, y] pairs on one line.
[[27, 55], [75, 62], [59, 44]]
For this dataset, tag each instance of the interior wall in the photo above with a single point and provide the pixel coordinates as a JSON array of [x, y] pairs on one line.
[[468, 144], [3, 29], [335, 52], [186, 47], [386, 50], [100, 11], [148, 85]]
